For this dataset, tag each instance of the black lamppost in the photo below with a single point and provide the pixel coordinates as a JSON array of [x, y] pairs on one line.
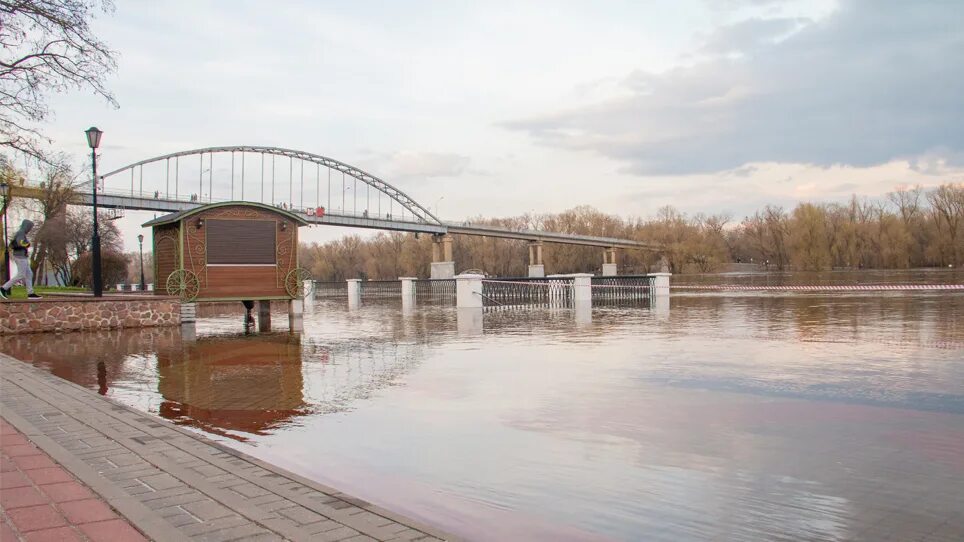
[[140, 244], [5, 190], [93, 140]]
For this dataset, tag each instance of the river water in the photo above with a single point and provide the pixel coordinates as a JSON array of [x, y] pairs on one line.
[[736, 416]]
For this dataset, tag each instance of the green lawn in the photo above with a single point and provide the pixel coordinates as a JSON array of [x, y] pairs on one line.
[[19, 292]]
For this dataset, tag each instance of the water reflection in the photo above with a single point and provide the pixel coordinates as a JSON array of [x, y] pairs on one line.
[[728, 417], [232, 384]]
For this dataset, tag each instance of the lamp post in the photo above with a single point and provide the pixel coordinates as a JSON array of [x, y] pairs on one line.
[[140, 243], [5, 191], [93, 140]]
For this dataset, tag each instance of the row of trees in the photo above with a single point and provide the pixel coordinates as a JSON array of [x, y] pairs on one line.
[[910, 227], [62, 233]]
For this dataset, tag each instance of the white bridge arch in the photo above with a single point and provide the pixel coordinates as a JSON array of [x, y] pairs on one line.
[[387, 204]]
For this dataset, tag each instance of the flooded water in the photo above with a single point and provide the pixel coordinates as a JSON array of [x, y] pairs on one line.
[[758, 416]]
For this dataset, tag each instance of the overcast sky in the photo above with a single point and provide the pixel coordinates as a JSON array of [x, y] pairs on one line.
[[501, 108]]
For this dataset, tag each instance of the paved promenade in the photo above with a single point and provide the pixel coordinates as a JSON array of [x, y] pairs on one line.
[[174, 485]]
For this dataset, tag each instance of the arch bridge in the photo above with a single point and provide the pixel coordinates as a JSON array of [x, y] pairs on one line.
[[325, 190]]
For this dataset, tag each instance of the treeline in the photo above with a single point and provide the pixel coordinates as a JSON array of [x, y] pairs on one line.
[[910, 227]]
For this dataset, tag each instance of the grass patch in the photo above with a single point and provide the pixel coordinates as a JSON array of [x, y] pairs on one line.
[[19, 292]]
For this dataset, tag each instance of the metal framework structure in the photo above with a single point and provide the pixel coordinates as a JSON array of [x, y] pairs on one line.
[[418, 211], [168, 190]]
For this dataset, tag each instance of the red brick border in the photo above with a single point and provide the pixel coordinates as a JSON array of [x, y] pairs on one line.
[[40, 500]]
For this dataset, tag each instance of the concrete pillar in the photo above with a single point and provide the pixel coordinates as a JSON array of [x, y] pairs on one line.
[[660, 306], [582, 288], [660, 284], [264, 315], [443, 265], [468, 291], [582, 310], [469, 322], [135, 287], [536, 268], [447, 248], [150, 286], [188, 313], [120, 287], [296, 315], [609, 262], [354, 293], [408, 292]]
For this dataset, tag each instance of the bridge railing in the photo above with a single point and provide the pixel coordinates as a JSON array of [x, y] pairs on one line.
[[545, 292], [309, 210]]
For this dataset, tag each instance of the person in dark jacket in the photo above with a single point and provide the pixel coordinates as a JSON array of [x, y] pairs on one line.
[[19, 246]]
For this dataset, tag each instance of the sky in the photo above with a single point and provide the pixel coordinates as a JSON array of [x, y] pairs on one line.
[[501, 108]]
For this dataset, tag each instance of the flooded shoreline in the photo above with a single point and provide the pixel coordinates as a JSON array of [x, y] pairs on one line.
[[747, 416]]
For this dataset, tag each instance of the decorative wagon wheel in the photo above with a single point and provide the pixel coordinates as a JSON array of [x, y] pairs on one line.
[[298, 283], [184, 284]]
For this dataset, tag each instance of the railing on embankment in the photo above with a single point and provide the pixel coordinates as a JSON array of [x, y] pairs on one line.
[[435, 289], [623, 288], [331, 288], [425, 289], [546, 292]]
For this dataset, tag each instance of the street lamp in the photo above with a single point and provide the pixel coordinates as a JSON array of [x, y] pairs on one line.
[[5, 191], [140, 243], [93, 140]]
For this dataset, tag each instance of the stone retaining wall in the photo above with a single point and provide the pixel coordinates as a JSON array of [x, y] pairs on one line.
[[75, 313]]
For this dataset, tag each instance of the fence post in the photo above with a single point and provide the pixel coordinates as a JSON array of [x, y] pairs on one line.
[[581, 287], [408, 289], [660, 284], [468, 291], [354, 293]]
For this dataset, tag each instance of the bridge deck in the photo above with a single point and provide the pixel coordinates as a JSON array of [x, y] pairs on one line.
[[137, 202]]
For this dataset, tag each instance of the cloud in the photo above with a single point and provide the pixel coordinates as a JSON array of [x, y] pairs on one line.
[[873, 82], [409, 164]]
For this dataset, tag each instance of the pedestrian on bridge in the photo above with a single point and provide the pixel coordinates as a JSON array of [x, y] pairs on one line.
[[19, 245]]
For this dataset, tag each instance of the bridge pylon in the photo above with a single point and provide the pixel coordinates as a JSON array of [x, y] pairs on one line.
[[443, 264]]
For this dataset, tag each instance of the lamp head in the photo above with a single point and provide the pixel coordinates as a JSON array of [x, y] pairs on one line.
[[140, 238], [93, 137]]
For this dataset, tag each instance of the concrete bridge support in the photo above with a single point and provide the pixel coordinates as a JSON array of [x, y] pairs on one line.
[[609, 262], [443, 265], [536, 268]]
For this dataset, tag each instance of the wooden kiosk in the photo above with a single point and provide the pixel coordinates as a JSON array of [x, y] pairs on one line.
[[231, 251]]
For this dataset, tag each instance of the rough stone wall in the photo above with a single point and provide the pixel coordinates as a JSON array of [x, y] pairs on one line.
[[64, 314]]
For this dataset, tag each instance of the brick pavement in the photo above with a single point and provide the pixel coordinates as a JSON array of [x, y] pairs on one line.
[[39, 500], [175, 485]]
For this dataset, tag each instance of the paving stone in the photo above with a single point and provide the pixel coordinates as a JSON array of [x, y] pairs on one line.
[[301, 515], [207, 510], [101, 441], [161, 481]]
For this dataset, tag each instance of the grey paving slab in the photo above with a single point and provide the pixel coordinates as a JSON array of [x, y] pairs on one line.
[[176, 485]]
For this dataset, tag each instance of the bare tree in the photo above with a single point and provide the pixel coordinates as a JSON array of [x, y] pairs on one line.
[[46, 46]]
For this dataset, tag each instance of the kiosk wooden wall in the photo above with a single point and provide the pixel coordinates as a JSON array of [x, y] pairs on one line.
[[237, 250]]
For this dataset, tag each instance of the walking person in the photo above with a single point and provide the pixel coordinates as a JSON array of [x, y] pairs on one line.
[[19, 245]]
